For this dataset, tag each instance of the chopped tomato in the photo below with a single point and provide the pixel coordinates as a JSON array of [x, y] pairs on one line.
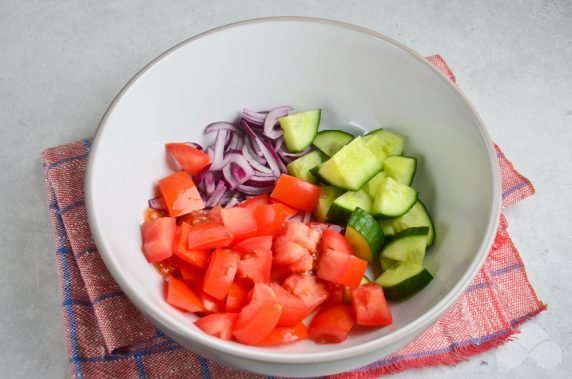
[[287, 252], [370, 306], [251, 244], [192, 275], [295, 246], [256, 321], [296, 193], [183, 297], [189, 158], [197, 258], [236, 298], [263, 292], [285, 334], [293, 309], [278, 273], [220, 273], [240, 222], [335, 241], [320, 226], [180, 194], [256, 265], [338, 294], [158, 236], [286, 208], [214, 215], [254, 202], [303, 264], [168, 267], [269, 219], [152, 214], [193, 218], [307, 288], [218, 324], [211, 304], [331, 324], [341, 268], [208, 235], [302, 235]]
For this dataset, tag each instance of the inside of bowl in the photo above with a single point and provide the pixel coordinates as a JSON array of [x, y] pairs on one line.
[[359, 81]]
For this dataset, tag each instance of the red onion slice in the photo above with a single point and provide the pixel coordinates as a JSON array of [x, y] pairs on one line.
[[253, 160], [221, 125], [217, 160], [271, 119], [233, 176], [253, 191], [157, 203], [195, 145], [215, 198]]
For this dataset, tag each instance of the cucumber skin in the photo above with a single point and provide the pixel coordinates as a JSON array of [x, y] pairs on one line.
[[328, 193], [394, 223], [288, 140], [338, 214], [319, 145], [294, 166], [408, 287], [366, 226]]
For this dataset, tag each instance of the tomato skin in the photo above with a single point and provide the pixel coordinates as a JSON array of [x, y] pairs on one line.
[[285, 334], [335, 241], [220, 273], [180, 194], [341, 268], [370, 306], [236, 298], [293, 309], [331, 324], [254, 202], [208, 235], [286, 208], [307, 288], [218, 324], [269, 219], [183, 297], [296, 193], [240, 222], [189, 158], [158, 236], [198, 258], [256, 321]]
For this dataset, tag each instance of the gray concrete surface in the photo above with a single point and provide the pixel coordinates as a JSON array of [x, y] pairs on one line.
[[61, 63]]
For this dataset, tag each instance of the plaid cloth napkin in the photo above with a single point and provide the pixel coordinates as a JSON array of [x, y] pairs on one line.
[[108, 337]]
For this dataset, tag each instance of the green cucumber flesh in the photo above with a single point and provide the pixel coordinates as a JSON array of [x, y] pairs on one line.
[[408, 245], [403, 279], [400, 168], [327, 196], [416, 216], [390, 143], [300, 129], [331, 141], [393, 199], [371, 186], [351, 167], [301, 167], [386, 263], [364, 235], [375, 145], [343, 206]]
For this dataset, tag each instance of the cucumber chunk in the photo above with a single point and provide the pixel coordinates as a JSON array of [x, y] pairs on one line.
[[327, 196], [300, 129], [301, 167], [400, 168], [351, 167], [416, 216], [392, 199], [343, 206], [371, 187], [407, 246], [331, 141], [403, 279], [364, 235], [390, 143]]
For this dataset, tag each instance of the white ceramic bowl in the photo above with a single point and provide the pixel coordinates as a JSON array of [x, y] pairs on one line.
[[361, 80]]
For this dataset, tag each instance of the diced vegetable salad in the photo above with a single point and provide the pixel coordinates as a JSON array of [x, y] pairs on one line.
[[268, 233]]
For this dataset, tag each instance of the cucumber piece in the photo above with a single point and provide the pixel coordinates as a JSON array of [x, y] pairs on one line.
[[301, 167], [364, 280], [392, 199], [386, 263], [403, 279], [343, 206], [388, 142], [351, 167], [408, 245], [371, 187], [331, 141], [300, 129], [374, 144], [400, 168], [416, 216], [364, 235], [327, 196]]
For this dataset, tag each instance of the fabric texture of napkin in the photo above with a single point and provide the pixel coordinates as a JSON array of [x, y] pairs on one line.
[[108, 337]]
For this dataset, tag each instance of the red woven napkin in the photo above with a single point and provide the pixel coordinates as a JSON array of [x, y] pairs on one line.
[[108, 337]]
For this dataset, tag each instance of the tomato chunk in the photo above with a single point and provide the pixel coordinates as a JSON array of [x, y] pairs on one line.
[[240, 222], [192, 275], [208, 235], [236, 298], [293, 309], [285, 334], [254, 202], [256, 265], [296, 193], [302, 235], [220, 273], [211, 304], [183, 297], [370, 306], [218, 324], [307, 288], [180, 194], [341, 268], [256, 321], [331, 324], [158, 236], [189, 158], [269, 219], [256, 243], [335, 241], [198, 258]]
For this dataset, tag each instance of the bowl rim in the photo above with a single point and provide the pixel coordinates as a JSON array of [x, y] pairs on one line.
[[263, 354]]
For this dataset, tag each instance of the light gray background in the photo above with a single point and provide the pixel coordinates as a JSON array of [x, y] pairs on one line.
[[62, 62]]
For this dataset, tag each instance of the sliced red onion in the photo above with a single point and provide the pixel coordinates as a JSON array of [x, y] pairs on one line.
[[218, 156], [253, 191], [215, 198], [237, 142], [296, 217], [210, 153], [236, 170], [283, 153], [261, 181], [234, 200], [273, 159], [271, 119], [157, 203], [195, 145], [254, 160], [209, 182], [278, 144], [221, 125], [307, 217]]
